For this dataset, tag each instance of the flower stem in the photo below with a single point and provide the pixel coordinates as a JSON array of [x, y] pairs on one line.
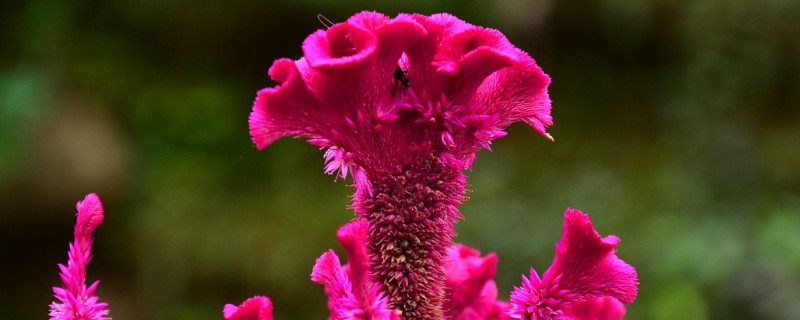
[[411, 214]]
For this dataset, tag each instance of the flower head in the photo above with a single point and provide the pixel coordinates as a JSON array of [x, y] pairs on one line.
[[376, 91], [471, 294], [77, 302], [255, 308], [585, 267]]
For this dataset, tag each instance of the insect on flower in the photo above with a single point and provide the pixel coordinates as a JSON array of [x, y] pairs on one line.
[[400, 76]]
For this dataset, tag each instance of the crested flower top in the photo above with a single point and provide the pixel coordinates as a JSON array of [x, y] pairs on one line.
[[375, 91], [77, 302], [586, 280]]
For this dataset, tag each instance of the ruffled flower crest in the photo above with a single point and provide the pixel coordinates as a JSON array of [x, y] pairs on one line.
[[77, 302], [465, 85], [585, 268]]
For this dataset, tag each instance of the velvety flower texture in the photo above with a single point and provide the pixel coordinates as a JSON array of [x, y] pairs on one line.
[[465, 84], [471, 294], [584, 269], [77, 302], [255, 308], [403, 104]]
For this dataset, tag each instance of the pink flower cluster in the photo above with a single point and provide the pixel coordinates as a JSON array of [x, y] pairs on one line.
[[585, 282], [403, 104]]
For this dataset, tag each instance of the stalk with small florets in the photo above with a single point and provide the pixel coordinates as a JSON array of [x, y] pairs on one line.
[[77, 302]]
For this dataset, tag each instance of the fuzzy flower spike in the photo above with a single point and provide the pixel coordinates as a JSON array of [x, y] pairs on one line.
[[403, 104], [586, 281], [77, 301]]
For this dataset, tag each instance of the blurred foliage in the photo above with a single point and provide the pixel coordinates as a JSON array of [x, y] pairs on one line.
[[677, 129]]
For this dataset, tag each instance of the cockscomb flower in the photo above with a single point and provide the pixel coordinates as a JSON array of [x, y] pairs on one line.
[[585, 269], [471, 293], [255, 308], [402, 105], [77, 302]]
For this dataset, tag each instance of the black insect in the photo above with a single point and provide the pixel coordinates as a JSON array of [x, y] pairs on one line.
[[400, 76]]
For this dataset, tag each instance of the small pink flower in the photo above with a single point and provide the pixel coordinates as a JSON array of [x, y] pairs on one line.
[[255, 308], [470, 292], [403, 104], [585, 267], [351, 295], [77, 302]]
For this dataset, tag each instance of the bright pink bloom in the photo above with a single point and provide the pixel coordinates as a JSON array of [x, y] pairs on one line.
[[77, 301], [585, 267], [351, 296], [403, 104], [255, 308], [466, 83], [605, 308], [470, 292]]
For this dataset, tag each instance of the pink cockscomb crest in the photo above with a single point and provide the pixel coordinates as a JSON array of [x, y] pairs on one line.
[[255, 308], [77, 302], [585, 267], [465, 85]]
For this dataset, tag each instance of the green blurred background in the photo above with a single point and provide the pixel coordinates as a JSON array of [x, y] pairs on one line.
[[677, 127]]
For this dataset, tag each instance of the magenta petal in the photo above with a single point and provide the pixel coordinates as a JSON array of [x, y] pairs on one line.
[[281, 111], [341, 301], [344, 305], [328, 272], [458, 47], [90, 215], [353, 237], [606, 308], [342, 46], [470, 56], [255, 308], [518, 93], [470, 292], [586, 265]]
